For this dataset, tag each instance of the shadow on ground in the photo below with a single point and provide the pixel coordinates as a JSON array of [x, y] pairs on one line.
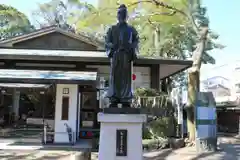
[[161, 155], [227, 151], [36, 155]]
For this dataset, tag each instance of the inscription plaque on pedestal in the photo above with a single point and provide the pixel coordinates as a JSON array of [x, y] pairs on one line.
[[121, 142]]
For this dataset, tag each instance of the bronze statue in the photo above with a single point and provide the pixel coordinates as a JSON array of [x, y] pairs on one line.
[[122, 49]]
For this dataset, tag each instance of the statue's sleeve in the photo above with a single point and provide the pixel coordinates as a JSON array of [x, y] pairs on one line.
[[135, 41], [109, 43]]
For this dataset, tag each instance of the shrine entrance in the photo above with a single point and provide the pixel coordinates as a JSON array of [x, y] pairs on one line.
[[24, 108], [70, 89]]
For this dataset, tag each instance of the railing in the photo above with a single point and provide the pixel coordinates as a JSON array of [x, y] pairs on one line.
[[161, 101], [152, 102], [48, 136]]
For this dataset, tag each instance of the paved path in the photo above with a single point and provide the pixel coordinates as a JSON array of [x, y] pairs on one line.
[[229, 150]]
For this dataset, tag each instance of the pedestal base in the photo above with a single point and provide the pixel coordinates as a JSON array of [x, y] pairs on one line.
[[121, 136], [206, 144]]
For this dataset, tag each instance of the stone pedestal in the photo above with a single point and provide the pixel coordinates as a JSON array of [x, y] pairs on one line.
[[121, 136]]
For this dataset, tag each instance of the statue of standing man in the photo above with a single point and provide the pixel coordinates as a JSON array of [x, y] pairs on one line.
[[122, 49]]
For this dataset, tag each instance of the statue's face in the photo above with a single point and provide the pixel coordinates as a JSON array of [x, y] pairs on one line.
[[122, 15]]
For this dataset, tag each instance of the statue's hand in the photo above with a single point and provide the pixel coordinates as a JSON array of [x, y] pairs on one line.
[[110, 45], [133, 56], [110, 53]]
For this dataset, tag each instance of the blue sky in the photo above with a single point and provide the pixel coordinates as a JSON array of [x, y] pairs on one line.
[[223, 20]]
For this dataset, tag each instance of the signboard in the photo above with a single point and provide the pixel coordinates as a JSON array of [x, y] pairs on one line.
[[121, 142], [206, 116]]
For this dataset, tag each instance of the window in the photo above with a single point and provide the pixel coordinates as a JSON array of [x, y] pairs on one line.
[[65, 107], [210, 83], [237, 87], [88, 119], [89, 100]]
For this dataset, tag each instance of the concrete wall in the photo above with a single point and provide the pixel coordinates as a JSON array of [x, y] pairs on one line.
[[61, 135]]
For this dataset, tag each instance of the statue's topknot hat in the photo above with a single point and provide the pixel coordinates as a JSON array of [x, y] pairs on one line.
[[122, 10], [122, 7]]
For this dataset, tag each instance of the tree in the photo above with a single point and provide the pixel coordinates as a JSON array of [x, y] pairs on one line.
[[13, 22], [69, 15], [65, 14], [177, 29]]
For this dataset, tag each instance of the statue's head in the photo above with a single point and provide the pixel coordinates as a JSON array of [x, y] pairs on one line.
[[122, 13]]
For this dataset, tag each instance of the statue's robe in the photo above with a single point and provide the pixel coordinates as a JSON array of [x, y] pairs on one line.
[[122, 48]]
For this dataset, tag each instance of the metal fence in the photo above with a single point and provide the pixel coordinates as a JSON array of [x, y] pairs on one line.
[[48, 137]]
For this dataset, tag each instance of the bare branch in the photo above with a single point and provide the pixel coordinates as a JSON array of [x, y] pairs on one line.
[[195, 27], [155, 2], [152, 24], [164, 5], [163, 14], [198, 52], [159, 4], [156, 14]]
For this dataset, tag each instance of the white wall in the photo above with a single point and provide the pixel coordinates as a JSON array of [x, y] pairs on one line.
[[142, 74], [143, 78], [61, 135]]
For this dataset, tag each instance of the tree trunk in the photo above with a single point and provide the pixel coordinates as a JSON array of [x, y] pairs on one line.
[[157, 41], [193, 83], [193, 88]]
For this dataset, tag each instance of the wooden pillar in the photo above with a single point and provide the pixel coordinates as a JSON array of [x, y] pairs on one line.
[[155, 77], [238, 125], [43, 103], [164, 85], [16, 99]]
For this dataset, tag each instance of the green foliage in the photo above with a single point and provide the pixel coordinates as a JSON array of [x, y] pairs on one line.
[[13, 22], [163, 32], [163, 127], [170, 30], [71, 15], [65, 14], [146, 134], [162, 121], [146, 92]]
